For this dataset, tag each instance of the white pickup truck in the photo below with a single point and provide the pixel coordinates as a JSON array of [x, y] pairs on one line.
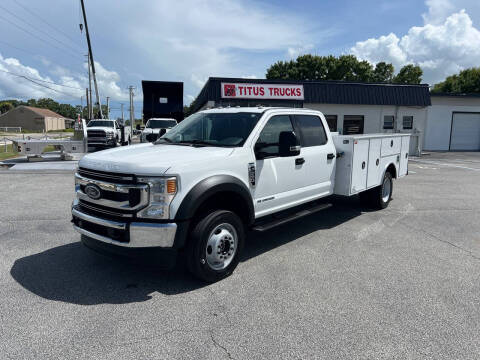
[[107, 133], [154, 128], [220, 172]]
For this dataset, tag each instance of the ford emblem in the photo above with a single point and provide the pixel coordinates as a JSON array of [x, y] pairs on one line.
[[93, 191]]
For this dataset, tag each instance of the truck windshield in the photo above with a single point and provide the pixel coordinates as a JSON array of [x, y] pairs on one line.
[[103, 123], [160, 124], [214, 129]]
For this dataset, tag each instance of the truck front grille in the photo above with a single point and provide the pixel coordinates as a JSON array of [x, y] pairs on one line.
[[96, 133], [151, 137], [117, 195]]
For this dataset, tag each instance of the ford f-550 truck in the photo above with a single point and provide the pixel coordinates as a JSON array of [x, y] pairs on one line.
[[220, 172]]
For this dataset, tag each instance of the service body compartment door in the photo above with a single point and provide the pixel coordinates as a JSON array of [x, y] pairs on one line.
[[391, 145], [374, 171], [360, 165], [404, 156]]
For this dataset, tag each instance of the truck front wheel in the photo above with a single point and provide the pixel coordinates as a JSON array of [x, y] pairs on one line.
[[215, 245]]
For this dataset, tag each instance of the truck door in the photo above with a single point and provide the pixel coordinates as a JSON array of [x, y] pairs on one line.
[[278, 179], [319, 155]]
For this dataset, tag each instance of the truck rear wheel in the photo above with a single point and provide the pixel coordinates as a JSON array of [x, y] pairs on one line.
[[380, 196], [215, 245]]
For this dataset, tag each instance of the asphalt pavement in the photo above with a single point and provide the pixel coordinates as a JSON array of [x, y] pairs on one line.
[[345, 283]]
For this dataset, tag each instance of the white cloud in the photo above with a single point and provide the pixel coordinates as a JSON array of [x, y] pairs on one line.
[[73, 84], [444, 45], [294, 52], [438, 11]]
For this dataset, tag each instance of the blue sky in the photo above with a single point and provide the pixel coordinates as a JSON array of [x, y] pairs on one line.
[[189, 41]]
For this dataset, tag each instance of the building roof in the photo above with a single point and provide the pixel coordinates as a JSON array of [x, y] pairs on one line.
[[332, 92], [43, 112]]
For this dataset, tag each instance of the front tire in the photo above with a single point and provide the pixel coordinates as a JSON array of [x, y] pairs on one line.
[[215, 246]]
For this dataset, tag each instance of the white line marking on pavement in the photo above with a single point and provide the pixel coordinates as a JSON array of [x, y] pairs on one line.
[[444, 164]]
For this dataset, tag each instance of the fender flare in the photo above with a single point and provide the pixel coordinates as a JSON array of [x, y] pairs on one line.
[[209, 187]]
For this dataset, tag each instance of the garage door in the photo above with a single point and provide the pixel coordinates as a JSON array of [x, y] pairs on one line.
[[465, 132]]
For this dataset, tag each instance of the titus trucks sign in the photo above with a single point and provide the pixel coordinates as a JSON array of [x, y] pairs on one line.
[[262, 91]]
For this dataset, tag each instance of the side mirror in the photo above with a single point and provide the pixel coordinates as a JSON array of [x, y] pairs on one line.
[[288, 144]]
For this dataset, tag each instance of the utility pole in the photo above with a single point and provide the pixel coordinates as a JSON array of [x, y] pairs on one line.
[[90, 56], [90, 106], [108, 107], [123, 119], [89, 101], [132, 113]]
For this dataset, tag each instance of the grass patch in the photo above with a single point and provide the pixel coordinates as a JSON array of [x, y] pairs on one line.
[[8, 154]]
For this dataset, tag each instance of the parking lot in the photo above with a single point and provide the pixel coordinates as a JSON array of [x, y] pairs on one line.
[[344, 283]]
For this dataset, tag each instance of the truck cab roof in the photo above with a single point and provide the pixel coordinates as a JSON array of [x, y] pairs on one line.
[[255, 109]]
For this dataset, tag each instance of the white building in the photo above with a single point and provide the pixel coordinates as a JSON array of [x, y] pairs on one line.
[[435, 122], [453, 123]]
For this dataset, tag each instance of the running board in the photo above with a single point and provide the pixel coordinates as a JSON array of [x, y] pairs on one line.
[[276, 222]]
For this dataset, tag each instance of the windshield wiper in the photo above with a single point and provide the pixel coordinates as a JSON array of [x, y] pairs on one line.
[[164, 139], [197, 142]]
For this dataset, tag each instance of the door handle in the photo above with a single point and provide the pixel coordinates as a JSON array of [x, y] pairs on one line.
[[330, 156], [299, 161]]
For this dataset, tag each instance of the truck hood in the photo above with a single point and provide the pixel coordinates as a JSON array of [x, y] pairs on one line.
[[150, 159]]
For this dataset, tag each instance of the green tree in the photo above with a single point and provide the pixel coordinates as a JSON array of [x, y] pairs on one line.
[[383, 72], [344, 67], [409, 74], [467, 81], [5, 106]]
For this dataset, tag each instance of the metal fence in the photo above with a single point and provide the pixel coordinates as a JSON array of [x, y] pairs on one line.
[[11, 128]]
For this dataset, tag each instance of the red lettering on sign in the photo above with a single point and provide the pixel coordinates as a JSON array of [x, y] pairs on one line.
[[275, 92], [299, 92], [262, 92], [255, 91]]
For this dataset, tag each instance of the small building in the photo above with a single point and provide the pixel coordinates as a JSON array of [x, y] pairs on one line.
[[32, 118], [350, 108], [453, 123]]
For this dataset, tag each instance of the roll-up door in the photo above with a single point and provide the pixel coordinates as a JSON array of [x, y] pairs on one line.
[[465, 132]]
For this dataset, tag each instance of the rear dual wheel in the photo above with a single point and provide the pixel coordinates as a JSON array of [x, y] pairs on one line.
[[380, 196]]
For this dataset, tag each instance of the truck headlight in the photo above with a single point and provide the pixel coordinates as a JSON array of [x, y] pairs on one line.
[[162, 192]]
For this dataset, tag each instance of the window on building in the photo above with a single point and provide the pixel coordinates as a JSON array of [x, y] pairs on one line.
[[311, 129], [332, 122], [267, 143], [388, 121], [353, 124], [408, 122]]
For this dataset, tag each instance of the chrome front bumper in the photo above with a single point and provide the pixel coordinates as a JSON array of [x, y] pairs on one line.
[[141, 234]]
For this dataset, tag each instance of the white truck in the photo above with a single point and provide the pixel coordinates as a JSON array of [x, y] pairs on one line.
[[156, 127], [107, 133], [200, 187]]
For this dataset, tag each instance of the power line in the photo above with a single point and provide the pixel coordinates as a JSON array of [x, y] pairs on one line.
[[46, 22], [35, 28], [15, 47], [45, 81], [36, 36], [45, 86]]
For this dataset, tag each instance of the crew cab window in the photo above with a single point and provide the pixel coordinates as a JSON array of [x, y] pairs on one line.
[[267, 143], [311, 128]]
